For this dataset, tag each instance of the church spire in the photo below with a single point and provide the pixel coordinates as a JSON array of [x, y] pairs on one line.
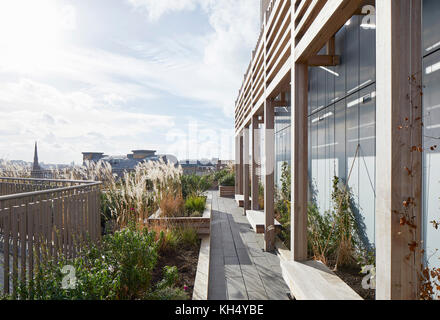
[[36, 166]]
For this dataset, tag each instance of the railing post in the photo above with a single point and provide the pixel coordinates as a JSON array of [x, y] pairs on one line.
[[6, 237]]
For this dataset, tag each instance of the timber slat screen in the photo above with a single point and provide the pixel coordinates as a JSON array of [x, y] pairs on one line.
[[44, 219], [270, 62]]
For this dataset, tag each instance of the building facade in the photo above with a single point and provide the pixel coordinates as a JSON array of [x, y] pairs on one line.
[[125, 163], [349, 89]]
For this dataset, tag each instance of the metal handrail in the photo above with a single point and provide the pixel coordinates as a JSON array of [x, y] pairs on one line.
[[37, 193], [48, 180]]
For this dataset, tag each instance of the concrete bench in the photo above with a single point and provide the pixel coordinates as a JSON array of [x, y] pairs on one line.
[[257, 221], [312, 280], [239, 198]]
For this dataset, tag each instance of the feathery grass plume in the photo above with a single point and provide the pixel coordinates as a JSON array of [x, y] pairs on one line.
[[14, 170], [139, 193]]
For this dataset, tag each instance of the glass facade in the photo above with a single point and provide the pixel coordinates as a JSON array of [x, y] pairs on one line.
[[342, 125], [282, 141], [431, 115]]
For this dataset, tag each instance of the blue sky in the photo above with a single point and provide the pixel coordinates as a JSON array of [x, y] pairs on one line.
[[117, 75]]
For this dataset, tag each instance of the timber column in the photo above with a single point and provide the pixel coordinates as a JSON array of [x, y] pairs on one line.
[[240, 166], [269, 168], [398, 67], [246, 203], [299, 158], [237, 164], [255, 161]]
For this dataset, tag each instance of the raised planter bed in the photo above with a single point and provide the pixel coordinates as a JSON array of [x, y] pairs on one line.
[[201, 224], [200, 291], [227, 191]]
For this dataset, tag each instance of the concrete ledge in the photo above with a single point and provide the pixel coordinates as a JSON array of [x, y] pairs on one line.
[[257, 221], [201, 282], [239, 198], [312, 280]]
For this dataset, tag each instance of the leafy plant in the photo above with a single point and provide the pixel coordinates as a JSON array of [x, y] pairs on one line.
[[345, 228], [194, 185], [319, 231], [187, 236], [430, 284], [165, 289], [282, 205], [286, 182], [334, 235], [220, 174], [119, 268], [195, 206], [228, 180]]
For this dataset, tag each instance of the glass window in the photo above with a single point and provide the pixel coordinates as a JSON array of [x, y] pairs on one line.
[[313, 93], [322, 77], [340, 168], [431, 110], [431, 25], [342, 129], [352, 153], [340, 69], [367, 164], [314, 155], [352, 54], [367, 73]]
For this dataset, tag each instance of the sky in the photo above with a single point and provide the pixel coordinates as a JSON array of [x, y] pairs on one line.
[[117, 75]]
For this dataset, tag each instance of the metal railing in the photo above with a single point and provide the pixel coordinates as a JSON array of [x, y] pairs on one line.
[[54, 219]]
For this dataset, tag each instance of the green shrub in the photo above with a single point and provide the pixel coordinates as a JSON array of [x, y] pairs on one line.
[[321, 243], [194, 185], [170, 241], [345, 230], [228, 180], [178, 237], [165, 289], [119, 268], [195, 205], [220, 174], [282, 205], [334, 235], [188, 237]]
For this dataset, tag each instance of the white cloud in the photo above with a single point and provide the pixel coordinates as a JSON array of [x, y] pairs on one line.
[[156, 8], [33, 111], [225, 52], [75, 99]]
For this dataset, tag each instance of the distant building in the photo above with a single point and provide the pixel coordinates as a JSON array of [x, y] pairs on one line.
[[128, 162], [200, 167], [223, 164], [36, 168], [92, 156]]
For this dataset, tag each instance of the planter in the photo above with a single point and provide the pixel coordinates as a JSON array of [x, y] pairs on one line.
[[202, 276], [201, 224], [227, 191]]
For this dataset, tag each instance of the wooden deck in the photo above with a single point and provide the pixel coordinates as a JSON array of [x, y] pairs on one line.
[[239, 267]]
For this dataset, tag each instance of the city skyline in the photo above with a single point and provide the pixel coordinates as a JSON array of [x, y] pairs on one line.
[[164, 77]]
